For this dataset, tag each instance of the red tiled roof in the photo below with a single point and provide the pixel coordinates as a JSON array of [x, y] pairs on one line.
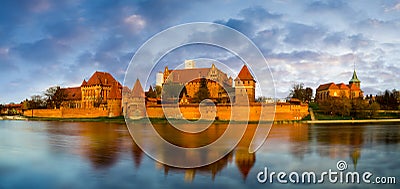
[[13, 106], [84, 83], [343, 86], [327, 86], [73, 93], [137, 90], [244, 74], [101, 78], [115, 91], [186, 75]]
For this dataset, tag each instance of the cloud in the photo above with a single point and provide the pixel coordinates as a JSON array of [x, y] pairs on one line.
[[301, 41], [251, 20], [358, 41], [135, 22], [303, 35], [395, 7], [334, 39], [43, 51]]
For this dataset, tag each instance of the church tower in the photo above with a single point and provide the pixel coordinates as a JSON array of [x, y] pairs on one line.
[[245, 86], [136, 106], [354, 80]]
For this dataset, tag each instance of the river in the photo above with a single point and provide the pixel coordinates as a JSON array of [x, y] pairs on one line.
[[52, 154]]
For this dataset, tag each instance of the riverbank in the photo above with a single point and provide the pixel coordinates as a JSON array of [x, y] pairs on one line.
[[353, 121], [16, 117], [121, 120]]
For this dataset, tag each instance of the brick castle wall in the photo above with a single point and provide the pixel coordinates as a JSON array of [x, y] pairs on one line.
[[223, 112], [67, 113]]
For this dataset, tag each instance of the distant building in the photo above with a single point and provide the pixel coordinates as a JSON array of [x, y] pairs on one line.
[[218, 83], [159, 79], [245, 86], [102, 90], [137, 104], [189, 64], [134, 101], [352, 90]]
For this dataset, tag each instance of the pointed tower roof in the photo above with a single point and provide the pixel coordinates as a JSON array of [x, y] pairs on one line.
[[84, 82], [137, 90], [244, 74], [354, 79], [151, 89]]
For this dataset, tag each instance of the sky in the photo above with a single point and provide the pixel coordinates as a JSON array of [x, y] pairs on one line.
[[44, 43]]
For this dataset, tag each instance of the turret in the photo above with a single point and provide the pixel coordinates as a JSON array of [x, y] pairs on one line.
[[245, 86], [354, 80]]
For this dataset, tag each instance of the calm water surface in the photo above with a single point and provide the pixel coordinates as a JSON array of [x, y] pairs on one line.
[[103, 155]]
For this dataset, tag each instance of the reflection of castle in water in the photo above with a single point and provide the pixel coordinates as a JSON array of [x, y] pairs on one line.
[[343, 142], [102, 143], [242, 158]]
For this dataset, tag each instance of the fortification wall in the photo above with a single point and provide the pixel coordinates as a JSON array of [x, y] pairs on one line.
[[226, 112], [67, 113]]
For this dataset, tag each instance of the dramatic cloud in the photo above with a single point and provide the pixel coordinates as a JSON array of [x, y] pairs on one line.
[[45, 43]]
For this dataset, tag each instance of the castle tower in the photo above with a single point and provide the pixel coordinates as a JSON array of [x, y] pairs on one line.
[[159, 79], [354, 80], [189, 64], [245, 86], [136, 107]]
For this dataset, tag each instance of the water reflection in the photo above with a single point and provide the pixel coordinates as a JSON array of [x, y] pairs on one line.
[[339, 142], [101, 144], [74, 153], [243, 160]]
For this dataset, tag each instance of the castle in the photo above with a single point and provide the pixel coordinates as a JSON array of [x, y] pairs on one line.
[[222, 90], [100, 96], [190, 77], [351, 91], [103, 96]]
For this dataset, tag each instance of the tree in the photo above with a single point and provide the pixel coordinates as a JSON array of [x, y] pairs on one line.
[[308, 94], [336, 106], [54, 97], [389, 100], [158, 91], [374, 107], [151, 93], [172, 91], [359, 108], [203, 92], [298, 91], [36, 102]]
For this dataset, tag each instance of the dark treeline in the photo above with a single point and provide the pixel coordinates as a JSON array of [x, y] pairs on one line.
[[388, 100], [51, 98]]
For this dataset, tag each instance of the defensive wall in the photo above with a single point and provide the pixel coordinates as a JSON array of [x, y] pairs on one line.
[[227, 112], [68, 113]]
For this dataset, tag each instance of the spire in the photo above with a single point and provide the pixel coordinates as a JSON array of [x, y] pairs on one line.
[[84, 83], [244, 74], [355, 79], [137, 90]]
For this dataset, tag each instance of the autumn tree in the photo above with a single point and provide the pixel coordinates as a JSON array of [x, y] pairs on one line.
[[336, 106], [54, 97], [36, 102], [303, 94], [203, 92], [171, 92]]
